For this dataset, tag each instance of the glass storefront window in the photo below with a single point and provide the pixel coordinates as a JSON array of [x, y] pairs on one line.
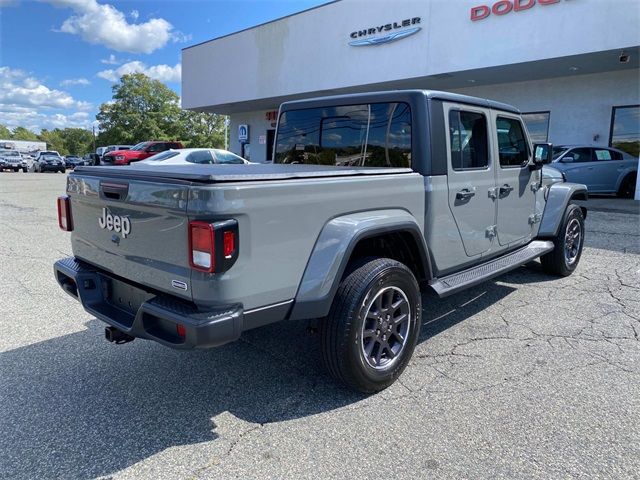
[[625, 129], [538, 125]]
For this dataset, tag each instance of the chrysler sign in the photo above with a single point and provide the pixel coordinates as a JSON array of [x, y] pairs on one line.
[[377, 35]]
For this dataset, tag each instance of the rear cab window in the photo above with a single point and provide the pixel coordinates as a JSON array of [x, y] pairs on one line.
[[366, 135]]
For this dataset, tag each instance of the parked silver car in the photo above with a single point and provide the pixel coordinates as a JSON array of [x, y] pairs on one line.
[[601, 169]]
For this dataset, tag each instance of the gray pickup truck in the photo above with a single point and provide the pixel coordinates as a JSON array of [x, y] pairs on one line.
[[371, 200]]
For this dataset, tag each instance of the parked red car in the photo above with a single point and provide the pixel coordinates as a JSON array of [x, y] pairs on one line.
[[139, 152]]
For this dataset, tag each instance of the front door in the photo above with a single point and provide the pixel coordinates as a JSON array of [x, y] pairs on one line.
[[578, 167], [516, 184], [471, 176]]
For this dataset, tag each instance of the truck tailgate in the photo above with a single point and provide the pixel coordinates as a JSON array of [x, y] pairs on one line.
[[136, 229]]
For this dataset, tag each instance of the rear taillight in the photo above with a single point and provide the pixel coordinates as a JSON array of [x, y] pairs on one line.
[[202, 246], [65, 221], [213, 247], [229, 243]]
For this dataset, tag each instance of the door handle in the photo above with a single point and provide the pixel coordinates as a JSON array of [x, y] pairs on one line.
[[465, 194], [506, 189]]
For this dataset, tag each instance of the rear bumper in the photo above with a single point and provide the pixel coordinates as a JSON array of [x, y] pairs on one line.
[[145, 315], [52, 168]]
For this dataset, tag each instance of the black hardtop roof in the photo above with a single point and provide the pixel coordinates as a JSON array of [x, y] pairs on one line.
[[396, 95]]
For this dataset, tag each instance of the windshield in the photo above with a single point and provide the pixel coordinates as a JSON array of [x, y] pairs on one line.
[[140, 146], [11, 154], [162, 156], [558, 151], [50, 157]]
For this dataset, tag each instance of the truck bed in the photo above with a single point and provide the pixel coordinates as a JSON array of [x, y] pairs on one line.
[[233, 173]]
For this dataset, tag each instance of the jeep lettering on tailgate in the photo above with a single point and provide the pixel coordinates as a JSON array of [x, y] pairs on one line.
[[115, 223]]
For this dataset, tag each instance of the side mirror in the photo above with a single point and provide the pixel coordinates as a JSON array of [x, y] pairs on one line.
[[542, 154], [568, 159]]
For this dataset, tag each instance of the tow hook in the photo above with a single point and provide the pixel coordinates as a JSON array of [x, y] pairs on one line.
[[118, 336]]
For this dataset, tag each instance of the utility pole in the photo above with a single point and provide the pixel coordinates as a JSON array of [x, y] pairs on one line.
[[226, 134], [93, 131]]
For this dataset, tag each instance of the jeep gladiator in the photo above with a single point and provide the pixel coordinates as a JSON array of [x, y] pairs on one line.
[[371, 200]]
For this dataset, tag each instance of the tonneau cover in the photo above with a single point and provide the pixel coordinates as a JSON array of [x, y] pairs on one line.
[[233, 173]]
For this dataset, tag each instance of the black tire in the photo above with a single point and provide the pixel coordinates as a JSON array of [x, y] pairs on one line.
[[628, 186], [343, 335], [564, 258], [24, 170], [16, 170]]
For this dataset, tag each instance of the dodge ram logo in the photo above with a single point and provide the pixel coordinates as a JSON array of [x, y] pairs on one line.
[[115, 223]]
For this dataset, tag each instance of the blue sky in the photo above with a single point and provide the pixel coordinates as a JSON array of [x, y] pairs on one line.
[[59, 58]]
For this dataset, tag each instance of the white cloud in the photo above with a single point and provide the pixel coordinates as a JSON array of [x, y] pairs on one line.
[[75, 81], [112, 60], [104, 24], [18, 89], [164, 73], [30, 118]]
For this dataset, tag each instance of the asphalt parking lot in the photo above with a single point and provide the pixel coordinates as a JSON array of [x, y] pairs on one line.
[[524, 377]]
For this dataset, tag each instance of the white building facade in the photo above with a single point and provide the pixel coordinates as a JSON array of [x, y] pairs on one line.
[[570, 65]]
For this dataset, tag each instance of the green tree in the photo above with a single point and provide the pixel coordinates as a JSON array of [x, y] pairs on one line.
[[200, 129], [77, 141], [5, 133], [21, 133], [142, 109], [54, 140], [145, 109]]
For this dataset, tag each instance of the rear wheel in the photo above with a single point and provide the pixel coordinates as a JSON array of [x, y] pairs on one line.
[[628, 186], [373, 325], [568, 243]]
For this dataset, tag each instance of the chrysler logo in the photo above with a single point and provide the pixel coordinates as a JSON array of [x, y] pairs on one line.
[[396, 31]]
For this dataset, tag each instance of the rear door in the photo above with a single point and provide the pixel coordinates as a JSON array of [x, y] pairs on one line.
[[137, 229], [515, 182], [470, 176]]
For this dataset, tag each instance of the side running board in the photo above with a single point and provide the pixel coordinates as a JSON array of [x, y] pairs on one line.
[[473, 276]]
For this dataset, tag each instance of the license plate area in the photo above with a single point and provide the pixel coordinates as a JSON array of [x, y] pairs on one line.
[[123, 296]]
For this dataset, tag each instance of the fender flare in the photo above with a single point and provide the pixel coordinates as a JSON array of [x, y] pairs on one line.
[[333, 249], [558, 198]]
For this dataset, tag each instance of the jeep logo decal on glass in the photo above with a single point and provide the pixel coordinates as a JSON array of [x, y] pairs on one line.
[[389, 37], [114, 223]]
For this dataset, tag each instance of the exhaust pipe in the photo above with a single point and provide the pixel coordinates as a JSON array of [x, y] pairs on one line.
[[116, 336]]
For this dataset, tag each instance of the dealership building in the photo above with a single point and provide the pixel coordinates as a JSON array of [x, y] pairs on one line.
[[571, 66]]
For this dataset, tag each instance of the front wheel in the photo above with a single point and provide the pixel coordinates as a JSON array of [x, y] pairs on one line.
[[568, 243], [373, 325]]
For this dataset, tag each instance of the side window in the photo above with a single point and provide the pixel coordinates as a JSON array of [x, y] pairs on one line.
[[580, 155], [200, 156], [469, 144], [603, 154], [156, 147], [513, 149], [616, 155], [227, 157]]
